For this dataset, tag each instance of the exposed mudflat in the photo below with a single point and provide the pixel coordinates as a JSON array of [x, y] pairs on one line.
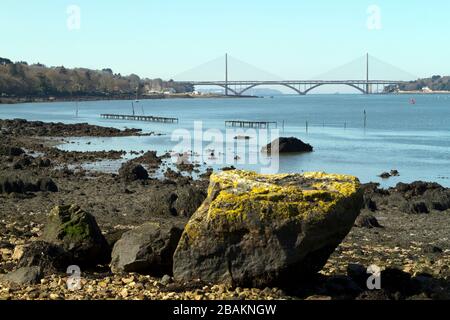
[[412, 246]]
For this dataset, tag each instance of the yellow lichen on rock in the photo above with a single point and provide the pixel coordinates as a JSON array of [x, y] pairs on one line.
[[282, 195]]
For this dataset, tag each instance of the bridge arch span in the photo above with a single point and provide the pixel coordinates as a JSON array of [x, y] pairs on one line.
[[220, 85], [347, 84], [272, 84]]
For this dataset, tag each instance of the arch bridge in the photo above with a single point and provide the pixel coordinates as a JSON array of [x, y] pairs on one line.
[[301, 87]]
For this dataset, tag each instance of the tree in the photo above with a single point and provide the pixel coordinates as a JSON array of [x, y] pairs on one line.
[[4, 61]]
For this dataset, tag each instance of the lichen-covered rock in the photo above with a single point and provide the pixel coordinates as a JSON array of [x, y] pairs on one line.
[[262, 230], [148, 249], [78, 233]]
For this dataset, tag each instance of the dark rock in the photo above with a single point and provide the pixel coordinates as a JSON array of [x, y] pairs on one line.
[[385, 175], [171, 174], [23, 162], [11, 151], [175, 199], [287, 145], [367, 221], [17, 185], [230, 168], [43, 162], [50, 258], [418, 207], [432, 249], [148, 249], [420, 197], [370, 204], [394, 173], [132, 172], [150, 159], [11, 185], [23, 276], [358, 273], [78, 233], [394, 280], [47, 184]]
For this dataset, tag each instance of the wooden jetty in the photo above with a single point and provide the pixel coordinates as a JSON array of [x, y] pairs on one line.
[[139, 118], [250, 124]]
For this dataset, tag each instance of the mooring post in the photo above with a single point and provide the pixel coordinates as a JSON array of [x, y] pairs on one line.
[[306, 126], [365, 119]]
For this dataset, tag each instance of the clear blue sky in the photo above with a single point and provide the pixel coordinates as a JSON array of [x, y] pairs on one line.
[[290, 38]]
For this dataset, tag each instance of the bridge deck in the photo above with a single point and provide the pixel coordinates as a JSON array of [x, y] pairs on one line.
[[139, 118]]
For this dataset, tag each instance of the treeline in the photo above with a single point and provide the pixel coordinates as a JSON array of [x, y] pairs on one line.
[[435, 83], [19, 79]]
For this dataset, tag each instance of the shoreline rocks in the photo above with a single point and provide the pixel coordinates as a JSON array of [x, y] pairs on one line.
[[21, 127], [262, 230], [11, 184]]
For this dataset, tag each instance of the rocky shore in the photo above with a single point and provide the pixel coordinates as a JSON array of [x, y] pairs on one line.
[[106, 223]]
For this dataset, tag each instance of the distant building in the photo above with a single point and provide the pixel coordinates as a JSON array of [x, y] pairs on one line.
[[170, 91], [426, 90]]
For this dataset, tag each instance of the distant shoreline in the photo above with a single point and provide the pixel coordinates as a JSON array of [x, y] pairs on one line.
[[15, 100], [423, 92]]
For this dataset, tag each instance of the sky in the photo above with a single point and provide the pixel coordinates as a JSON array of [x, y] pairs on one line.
[[294, 39]]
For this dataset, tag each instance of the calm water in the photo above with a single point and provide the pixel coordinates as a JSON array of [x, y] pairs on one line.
[[414, 139]]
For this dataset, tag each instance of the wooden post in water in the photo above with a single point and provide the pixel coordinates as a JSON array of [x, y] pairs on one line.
[[306, 126], [365, 119]]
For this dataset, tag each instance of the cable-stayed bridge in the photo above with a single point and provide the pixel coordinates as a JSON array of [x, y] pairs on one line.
[[358, 74]]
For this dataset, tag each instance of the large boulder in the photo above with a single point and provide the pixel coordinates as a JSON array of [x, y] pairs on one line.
[[263, 230], [148, 249], [131, 171], [287, 145], [78, 233]]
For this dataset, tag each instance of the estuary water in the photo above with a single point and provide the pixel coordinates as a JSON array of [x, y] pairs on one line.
[[411, 138]]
